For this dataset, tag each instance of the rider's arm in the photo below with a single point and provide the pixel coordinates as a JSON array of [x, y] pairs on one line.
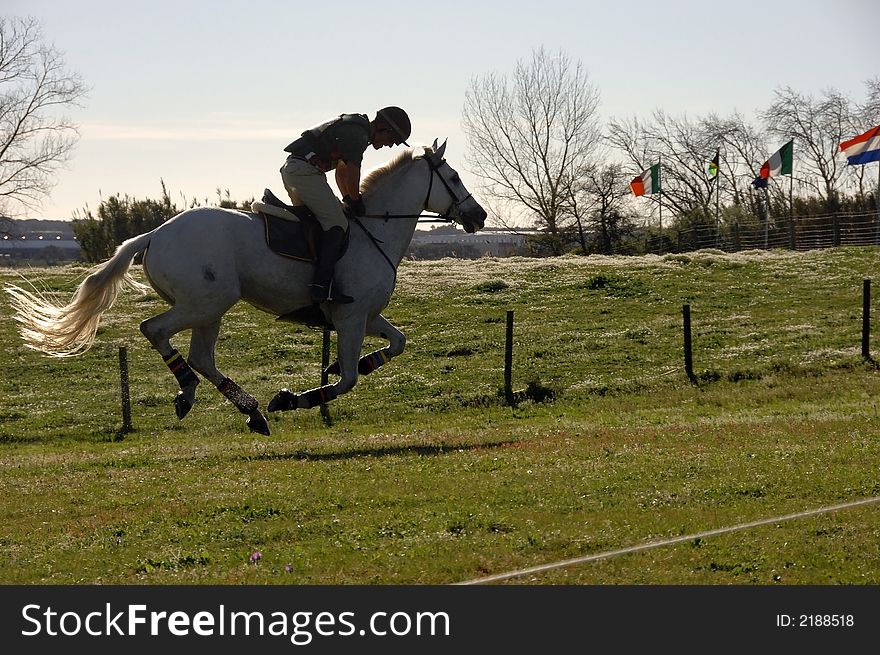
[[348, 179]]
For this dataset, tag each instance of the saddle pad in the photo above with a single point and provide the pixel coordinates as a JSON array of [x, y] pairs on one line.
[[289, 239]]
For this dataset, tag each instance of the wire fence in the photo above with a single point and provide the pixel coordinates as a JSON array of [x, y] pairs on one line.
[[793, 233]]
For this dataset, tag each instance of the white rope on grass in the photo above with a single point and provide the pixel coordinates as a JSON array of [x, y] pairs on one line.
[[667, 542]]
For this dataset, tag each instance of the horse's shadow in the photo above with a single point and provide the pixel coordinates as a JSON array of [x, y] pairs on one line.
[[363, 453]]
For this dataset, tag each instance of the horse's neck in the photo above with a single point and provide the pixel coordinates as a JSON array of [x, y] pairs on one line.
[[403, 195]]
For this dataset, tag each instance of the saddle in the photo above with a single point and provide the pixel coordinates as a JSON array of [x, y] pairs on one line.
[[291, 231]]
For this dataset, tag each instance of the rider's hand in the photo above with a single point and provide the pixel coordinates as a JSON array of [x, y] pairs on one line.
[[355, 205]]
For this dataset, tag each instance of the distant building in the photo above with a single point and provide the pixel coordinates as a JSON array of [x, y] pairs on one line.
[[443, 242], [53, 242], [48, 242]]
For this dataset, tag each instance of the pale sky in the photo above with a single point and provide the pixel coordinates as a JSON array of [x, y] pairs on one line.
[[206, 94]]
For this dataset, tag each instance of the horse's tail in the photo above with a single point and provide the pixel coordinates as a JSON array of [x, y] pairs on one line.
[[68, 330]]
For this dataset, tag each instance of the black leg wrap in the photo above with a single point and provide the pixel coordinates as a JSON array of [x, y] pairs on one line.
[[366, 365], [319, 396], [371, 362], [245, 402], [181, 370], [285, 400]]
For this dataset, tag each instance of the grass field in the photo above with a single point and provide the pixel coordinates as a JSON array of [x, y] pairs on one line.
[[425, 476]]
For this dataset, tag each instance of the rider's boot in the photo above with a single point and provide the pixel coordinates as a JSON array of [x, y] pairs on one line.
[[322, 288]]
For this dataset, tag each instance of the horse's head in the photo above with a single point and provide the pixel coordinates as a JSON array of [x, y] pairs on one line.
[[447, 194]]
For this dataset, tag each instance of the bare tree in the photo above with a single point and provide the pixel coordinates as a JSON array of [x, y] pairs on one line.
[[531, 134], [870, 111], [34, 87], [599, 206]]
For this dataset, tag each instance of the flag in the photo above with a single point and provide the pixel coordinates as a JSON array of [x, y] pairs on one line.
[[713, 166], [864, 148], [647, 181], [780, 163], [760, 182]]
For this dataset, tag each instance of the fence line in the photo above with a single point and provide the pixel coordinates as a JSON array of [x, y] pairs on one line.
[[669, 542], [797, 233]]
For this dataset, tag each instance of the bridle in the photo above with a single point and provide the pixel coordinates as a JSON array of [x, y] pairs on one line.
[[446, 216], [456, 203]]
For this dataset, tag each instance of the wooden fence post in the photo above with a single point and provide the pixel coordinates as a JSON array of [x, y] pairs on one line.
[[124, 390], [866, 319], [325, 363], [508, 359], [688, 353]]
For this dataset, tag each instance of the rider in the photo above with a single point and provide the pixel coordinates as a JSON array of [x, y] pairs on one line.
[[338, 145]]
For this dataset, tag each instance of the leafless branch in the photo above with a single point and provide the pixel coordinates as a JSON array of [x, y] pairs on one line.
[[531, 131], [35, 140]]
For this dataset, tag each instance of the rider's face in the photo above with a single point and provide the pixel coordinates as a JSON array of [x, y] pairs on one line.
[[383, 137]]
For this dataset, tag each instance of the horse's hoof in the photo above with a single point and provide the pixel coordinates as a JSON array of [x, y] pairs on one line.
[[257, 423], [182, 405], [283, 401]]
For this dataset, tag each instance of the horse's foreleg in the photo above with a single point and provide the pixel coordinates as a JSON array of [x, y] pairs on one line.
[[350, 340], [201, 356], [378, 326]]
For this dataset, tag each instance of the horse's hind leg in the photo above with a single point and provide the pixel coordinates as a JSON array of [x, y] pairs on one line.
[[201, 356], [158, 331]]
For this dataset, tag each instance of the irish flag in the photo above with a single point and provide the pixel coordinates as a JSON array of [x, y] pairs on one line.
[[864, 148], [780, 163], [647, 181]]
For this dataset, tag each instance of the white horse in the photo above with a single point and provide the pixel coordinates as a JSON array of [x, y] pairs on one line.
[[204, 260]]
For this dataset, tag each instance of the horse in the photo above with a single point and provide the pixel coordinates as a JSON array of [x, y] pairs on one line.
[[205, 260]]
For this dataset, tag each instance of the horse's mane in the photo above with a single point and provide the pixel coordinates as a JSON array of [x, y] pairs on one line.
[[375, 177]]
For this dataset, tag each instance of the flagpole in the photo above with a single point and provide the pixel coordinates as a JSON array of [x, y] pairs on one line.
[[660, 193], [791, 211], [766, 216], [877, 203], [718, 205]]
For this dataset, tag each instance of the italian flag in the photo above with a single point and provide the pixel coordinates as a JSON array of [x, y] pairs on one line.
[[780, 163], [647, 182]]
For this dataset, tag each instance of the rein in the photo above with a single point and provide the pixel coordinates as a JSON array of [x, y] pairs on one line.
[[376, 242]]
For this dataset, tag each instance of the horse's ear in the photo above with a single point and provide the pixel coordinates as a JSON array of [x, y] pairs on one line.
[[434, 147], [442, 149]]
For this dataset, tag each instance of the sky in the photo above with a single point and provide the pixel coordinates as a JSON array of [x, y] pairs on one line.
[[206, 94]]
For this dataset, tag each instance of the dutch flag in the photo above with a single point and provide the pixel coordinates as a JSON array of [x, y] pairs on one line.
[[863, 149]]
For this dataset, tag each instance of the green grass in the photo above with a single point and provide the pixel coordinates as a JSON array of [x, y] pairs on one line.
[[425, 476]]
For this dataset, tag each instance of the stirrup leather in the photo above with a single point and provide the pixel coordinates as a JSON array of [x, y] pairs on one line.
[[325, 293]]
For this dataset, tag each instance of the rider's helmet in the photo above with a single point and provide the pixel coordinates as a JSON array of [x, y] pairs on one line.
[[398, 121]]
